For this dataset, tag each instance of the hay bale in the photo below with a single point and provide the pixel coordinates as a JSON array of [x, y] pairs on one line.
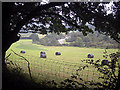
[[43, 56], [57, 53], [42, 52], [90, 56], [104, 62], [22, 51]]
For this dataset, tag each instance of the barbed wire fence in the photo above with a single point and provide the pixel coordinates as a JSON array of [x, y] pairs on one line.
[[53, 69]]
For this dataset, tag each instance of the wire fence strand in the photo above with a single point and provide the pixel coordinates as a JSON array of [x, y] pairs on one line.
[[53, 69]]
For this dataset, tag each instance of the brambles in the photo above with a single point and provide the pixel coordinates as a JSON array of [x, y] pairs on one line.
[[110, 70]]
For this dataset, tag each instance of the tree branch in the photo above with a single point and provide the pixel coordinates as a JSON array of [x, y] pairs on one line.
[[62, 17], [32, 14]]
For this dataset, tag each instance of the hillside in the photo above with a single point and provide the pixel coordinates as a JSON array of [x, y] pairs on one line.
[[57, 68], [96, 40], [76, 39]]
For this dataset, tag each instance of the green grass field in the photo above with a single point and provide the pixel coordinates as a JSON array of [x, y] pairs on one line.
[[55, 67]]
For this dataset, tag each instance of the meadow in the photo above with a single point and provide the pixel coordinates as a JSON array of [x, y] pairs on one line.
[[55, 67]]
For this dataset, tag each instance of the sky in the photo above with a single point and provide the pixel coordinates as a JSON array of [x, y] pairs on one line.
[[109, 7]]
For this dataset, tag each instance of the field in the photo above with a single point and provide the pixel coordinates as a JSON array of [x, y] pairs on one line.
[[55, 67]]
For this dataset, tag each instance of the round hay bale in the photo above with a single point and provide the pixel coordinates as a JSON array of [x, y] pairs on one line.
[[42, 52], [104, 62], [43, 56], [22, 51], [90, 56], [57, 53]]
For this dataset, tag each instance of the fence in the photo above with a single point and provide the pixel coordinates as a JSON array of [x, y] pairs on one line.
[[51, 69]]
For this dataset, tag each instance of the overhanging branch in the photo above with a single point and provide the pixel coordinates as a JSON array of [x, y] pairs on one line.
[[63, 18], [32, 14]]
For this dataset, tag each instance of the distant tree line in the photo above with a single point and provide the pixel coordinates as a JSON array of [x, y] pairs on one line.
[[34, 37], [96, 40], [51, 39], [48, 40], [77, 39]]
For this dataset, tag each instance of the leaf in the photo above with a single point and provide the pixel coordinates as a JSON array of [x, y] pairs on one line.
[[99, 84], [81, 79], [70, 81], [74, 77], [98, 61], [62, 83]]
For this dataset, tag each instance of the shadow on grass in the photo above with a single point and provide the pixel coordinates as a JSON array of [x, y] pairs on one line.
[[17, 80]]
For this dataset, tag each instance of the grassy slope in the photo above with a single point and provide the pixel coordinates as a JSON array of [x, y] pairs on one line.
[[68, 53], [53, 64]]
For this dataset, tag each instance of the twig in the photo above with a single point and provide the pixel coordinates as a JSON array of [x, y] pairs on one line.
[[25, 60]]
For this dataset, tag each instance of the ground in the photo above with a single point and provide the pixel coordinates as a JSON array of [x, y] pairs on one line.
[[55, 67]]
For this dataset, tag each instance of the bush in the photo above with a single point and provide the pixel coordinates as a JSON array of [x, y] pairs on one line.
[[110, 78]]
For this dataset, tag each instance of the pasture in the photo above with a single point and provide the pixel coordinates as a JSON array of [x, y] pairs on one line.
[[55, 67]]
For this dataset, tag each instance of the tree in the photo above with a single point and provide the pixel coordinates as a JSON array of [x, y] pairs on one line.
[[34, 37], [58, 17], [78, 42], [51, 39]]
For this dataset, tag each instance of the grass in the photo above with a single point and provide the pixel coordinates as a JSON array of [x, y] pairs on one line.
[[55, 67]]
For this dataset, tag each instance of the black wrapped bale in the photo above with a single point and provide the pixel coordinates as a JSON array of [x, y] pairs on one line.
[[43, 56], [104, 62], [22, 52], [42, 52], [90, 56], [57, 53]]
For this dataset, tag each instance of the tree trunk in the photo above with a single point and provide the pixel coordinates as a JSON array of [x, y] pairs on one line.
[[3, 58], [8, 40]]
